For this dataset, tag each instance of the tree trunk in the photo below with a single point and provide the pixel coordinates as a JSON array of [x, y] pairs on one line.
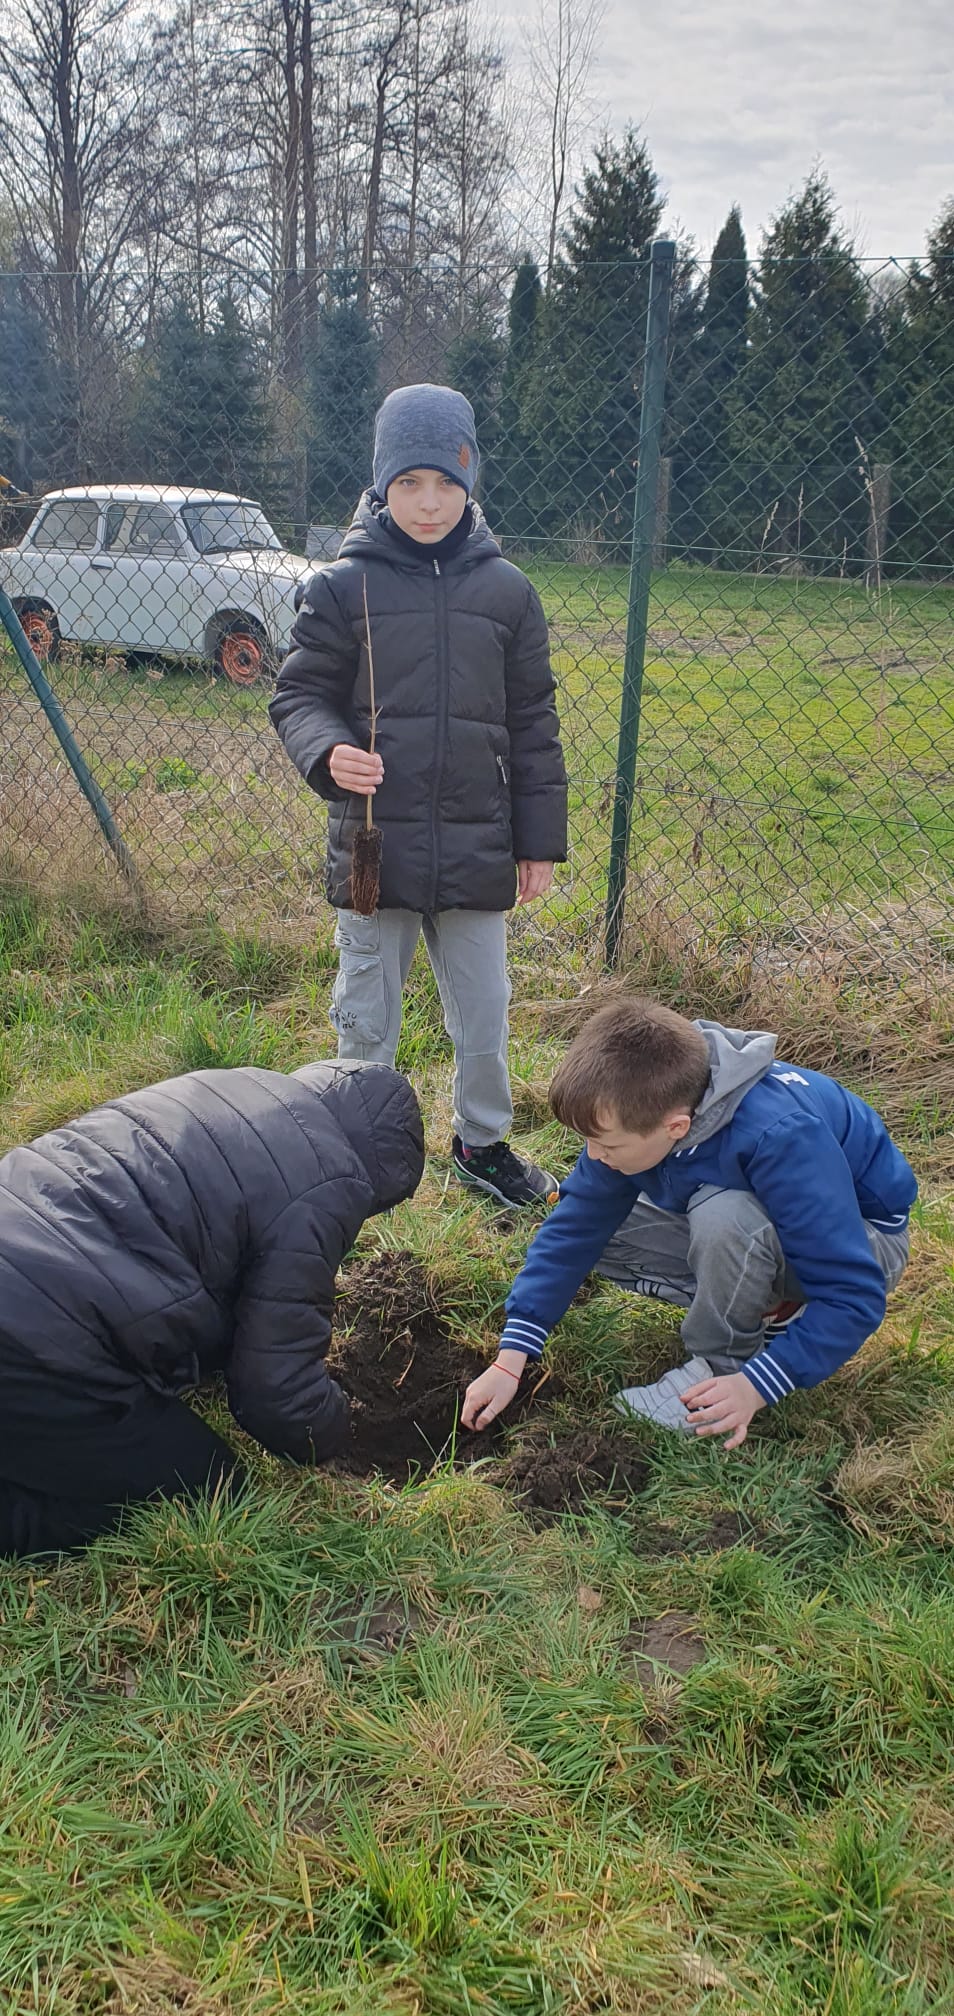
[[197, 192], [291, 325], [879, 509], [308, 194], [69, 223], [373, 209], [410, 275]]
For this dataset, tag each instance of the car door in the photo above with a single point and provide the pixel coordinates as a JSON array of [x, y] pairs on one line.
[[142, 577], [54, 564]]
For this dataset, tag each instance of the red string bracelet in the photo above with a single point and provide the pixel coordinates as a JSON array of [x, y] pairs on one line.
[[505, 1368]]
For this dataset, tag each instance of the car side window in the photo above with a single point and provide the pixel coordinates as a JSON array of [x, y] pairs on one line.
[[118, 520], [153, 531], [68, 525]]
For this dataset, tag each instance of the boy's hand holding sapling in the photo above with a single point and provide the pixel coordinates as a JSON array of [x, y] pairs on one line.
[[355, 769]]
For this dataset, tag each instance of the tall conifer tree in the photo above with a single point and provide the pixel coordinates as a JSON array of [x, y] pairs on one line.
[[585, 402], [806, 396]]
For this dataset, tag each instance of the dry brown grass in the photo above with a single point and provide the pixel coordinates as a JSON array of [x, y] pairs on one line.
[[894, 1491], [154, 1986], [894, 1045]]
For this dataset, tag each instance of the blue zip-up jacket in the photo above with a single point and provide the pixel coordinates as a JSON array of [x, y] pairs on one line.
[[819, 1160]]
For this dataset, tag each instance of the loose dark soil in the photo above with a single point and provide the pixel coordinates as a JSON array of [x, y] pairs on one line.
[[406, 1377], [561, 1476]]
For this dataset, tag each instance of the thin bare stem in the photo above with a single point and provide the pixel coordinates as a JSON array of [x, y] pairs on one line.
[[374, 711]]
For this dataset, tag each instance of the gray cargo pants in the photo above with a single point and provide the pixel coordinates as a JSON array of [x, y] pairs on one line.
[[721, 1261], [468, 953]]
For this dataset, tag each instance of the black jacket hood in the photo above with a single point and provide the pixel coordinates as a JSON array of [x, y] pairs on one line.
[[378, 1110]]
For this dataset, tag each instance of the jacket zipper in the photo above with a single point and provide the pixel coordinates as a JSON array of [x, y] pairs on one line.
[[440, 738]]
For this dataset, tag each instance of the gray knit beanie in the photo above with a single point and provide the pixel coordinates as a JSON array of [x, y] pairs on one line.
[[425, 427]]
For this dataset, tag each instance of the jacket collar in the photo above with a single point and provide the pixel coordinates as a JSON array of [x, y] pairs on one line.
[[368, 539]]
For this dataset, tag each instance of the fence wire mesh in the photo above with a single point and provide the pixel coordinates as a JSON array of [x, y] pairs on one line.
[[794, 785]]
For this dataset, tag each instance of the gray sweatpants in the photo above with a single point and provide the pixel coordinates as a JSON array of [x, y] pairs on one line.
[[722, 1262], [468, 953]]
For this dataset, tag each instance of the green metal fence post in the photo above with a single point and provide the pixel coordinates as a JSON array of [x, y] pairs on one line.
[[64, 735], [662, 259]]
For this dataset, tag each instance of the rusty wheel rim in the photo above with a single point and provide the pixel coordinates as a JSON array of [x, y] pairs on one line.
[[39, 632], [242, 658]]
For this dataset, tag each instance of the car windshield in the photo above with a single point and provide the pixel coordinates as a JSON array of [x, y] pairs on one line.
[[230, 528]]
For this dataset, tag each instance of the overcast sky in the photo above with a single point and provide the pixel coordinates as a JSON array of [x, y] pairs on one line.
[[737, 99]]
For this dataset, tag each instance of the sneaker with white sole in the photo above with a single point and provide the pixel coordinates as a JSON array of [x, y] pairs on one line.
[[508, 1177], [662, 1402]]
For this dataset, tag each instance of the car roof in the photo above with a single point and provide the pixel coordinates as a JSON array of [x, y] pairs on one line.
[[145, 493]]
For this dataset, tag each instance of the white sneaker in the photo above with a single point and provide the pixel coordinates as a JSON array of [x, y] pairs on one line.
[[662, 1403]]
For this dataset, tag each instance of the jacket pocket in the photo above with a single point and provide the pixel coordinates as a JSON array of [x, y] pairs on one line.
[[359, 1005]]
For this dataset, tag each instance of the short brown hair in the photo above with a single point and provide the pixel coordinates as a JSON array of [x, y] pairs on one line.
[[635, 1060]]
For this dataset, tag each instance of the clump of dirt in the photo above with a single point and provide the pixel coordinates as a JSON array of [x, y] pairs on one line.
[[365, 1639], [561, 1476], [405, 1376]]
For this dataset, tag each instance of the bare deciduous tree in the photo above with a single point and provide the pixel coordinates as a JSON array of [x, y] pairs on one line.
[[74, 109], [560, 51]]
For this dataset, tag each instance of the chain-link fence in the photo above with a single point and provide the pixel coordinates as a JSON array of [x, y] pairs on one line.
[[756, 684]]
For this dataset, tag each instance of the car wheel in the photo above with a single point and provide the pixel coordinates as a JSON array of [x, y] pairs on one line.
[[242, 655], [42, 631]]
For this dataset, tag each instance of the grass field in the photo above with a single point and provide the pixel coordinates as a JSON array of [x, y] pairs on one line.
[[354, 1749], [795, 775]]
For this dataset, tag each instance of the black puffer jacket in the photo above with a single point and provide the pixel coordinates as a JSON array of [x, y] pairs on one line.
[[467, 727], [197, 1227]]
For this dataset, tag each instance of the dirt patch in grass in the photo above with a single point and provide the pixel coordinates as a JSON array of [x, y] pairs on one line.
[[672, 1641], [406, 1377], [560, 1476], [724, 1529]]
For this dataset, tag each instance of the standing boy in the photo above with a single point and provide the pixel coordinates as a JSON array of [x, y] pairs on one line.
[[768, 1202], [467, 778]]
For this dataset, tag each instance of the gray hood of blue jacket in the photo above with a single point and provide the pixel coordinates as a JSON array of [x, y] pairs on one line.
[[739, 1058]]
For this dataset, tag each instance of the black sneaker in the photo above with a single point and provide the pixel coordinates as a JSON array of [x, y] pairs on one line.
[[503, 1174]]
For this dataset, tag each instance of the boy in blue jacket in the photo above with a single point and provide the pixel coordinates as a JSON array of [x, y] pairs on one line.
[[768, 1202]]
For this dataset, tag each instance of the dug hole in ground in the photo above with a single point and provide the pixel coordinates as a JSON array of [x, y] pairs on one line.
[[406, 1379]]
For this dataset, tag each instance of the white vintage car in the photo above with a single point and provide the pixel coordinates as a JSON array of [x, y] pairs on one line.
[[133, 567]]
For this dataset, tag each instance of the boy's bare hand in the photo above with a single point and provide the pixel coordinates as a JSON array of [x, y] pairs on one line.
[[533, 879], [488, 1395], [355, 769], [718, 1405]]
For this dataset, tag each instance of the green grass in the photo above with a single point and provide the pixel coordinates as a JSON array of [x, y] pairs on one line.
[[795, 743], [794, 780], [221, 1792]]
